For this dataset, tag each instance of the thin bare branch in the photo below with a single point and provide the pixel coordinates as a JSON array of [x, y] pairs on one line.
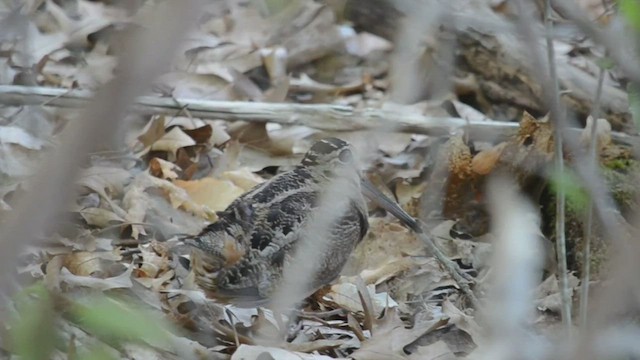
[[557, 119], [588, 224], [319, 116]]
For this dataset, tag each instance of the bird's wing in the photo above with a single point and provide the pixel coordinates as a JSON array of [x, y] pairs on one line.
[[249, 281], [279, 225]]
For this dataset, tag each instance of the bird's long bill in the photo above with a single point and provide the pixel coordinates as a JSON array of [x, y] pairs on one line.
[[371, 192]]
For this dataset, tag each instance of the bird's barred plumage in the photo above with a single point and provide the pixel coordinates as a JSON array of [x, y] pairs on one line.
[[241, 256]]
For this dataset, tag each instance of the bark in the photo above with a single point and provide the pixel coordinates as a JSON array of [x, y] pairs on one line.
[[493, 65]]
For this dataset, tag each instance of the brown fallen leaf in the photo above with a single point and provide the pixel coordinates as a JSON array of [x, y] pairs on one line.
[[200, 135], [484, 161]]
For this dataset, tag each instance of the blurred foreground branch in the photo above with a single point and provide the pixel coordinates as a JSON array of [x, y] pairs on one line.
[[319, 116], [53, 185]]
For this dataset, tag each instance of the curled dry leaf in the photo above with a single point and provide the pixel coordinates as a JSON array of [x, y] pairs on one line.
[[345, 295], [106, 181], [200, 135], [177, 196], [153, 131], [362, 44], [210, 86], [486, 160], [84, 263], [135, 203], [152, 263], [467, 112], [20, 154], [255, 135], [100, 217], [117, 282], [163, 169], [19, 136], [172, 141], [219, 134], [275, 62], [603, 133]]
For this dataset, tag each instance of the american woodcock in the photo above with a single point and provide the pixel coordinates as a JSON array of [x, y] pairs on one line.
[[241, 257]]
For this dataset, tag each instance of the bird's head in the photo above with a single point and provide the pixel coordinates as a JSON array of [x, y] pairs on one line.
[[330, 154]]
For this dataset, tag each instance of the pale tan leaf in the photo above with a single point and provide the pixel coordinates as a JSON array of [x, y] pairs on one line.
[[243, 178], [213, 193], [85, 263], [172, 141], [135, 202], [19, 136], [117, 282], [153, 131], [603, 133], [177, 196], [484, 161], [100, 217], [346, 296], [104, 180], [163, 169]]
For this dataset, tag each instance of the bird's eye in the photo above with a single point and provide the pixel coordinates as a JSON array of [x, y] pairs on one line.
[[345, 156]]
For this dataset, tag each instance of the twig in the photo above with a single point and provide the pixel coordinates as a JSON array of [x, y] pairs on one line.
[[557, 115], [557, 119], [588, 225], [407, 220], [319, 116]]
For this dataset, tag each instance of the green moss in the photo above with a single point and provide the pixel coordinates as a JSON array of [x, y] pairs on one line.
[[621, 176]]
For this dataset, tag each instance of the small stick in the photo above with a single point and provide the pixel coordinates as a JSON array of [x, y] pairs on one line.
[[410, 222]]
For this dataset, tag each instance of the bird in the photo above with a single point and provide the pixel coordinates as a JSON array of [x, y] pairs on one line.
[[240, 258]]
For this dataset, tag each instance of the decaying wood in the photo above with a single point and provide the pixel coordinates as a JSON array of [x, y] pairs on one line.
[[491, 51], [319, 116]]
